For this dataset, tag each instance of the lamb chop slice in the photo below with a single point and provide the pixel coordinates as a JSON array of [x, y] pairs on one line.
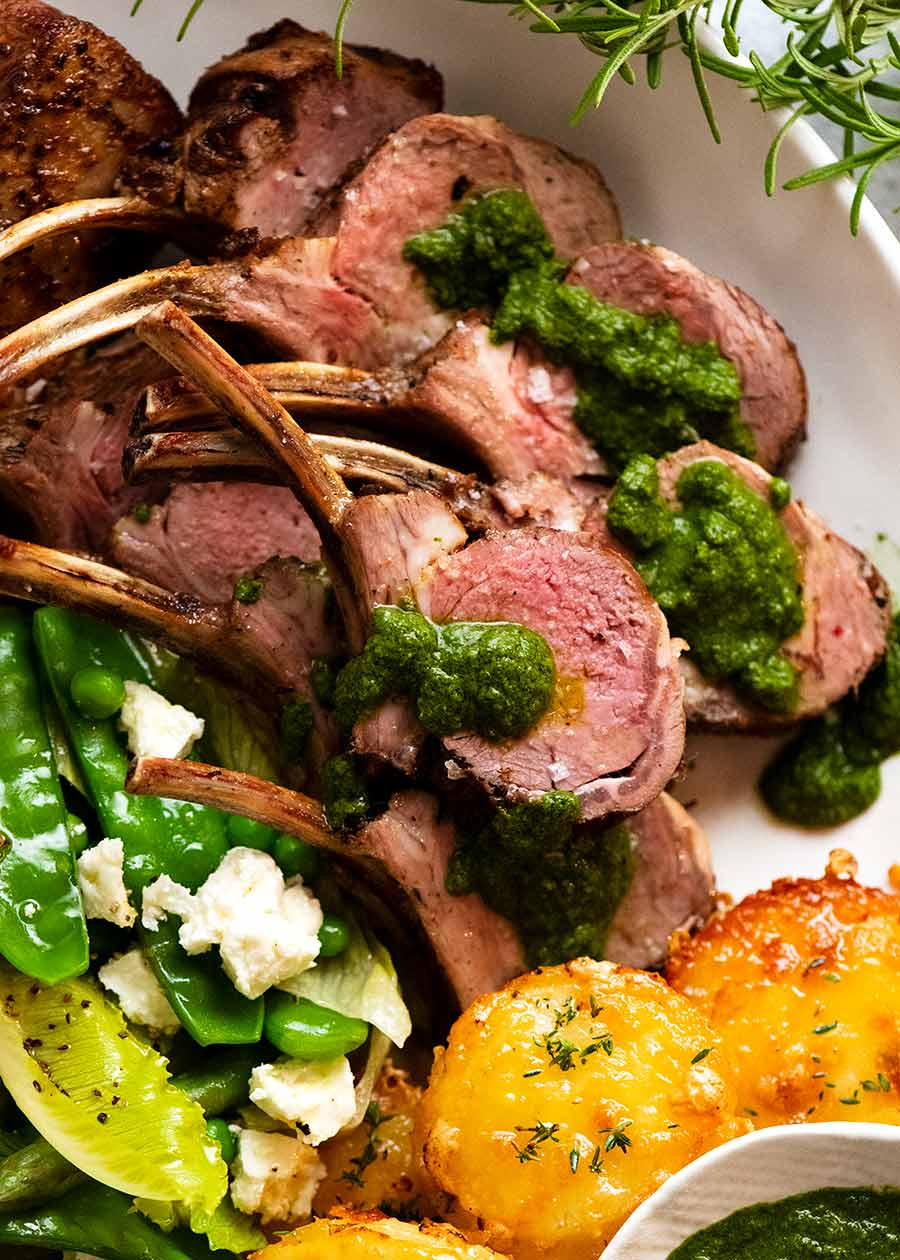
[[76, 421], [293, 293], [437, 161], [846, 603], [513, 410], [672, 889], [404, 855], [384, 547], [271, 129], [202, 538], [507, 407], [266, 648], [197, 456], [650, 280], [73, 106]]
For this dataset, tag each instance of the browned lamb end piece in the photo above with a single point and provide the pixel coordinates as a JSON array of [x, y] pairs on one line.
[[672, 889], [203, 537], [649, 280], [615, 733], [845, 598], [61, 447], [73, 105], [420, 175], [271, 129]]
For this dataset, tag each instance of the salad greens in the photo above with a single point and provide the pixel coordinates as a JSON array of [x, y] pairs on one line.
[[104, 1150], [102, 1098]]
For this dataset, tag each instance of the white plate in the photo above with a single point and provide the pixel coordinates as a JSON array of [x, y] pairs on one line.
[[838, 298]]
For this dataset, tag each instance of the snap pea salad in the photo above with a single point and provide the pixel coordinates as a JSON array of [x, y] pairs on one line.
[[185, 999]]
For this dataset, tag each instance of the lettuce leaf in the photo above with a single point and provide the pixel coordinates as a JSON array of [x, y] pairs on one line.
[[225, 1227], [360, 983], [102, 1099]]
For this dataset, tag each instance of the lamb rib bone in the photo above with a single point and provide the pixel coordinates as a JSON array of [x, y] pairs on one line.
[[122, 213], [616, 752], [183, 623], [223, 454]]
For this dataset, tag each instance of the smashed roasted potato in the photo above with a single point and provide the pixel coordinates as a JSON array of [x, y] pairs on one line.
[[802, 983], [564, 1100], [371, 1236], [378, 1164]]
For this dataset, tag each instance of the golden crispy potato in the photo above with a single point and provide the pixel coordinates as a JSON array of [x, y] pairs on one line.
[[802, 981], [371, 1236], [378, 1165], [565, 1099]]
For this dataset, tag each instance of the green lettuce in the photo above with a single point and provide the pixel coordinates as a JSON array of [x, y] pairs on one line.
[[360, 983]]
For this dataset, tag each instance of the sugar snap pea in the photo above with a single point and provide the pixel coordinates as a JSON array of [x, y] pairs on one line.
[[42, 927], [101, 1222], [184, 841]]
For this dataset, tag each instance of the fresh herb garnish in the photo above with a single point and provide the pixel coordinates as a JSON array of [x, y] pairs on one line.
[[824, 1028], [617, 1138], [701, 1055], [540, 1133], [373, 1119]]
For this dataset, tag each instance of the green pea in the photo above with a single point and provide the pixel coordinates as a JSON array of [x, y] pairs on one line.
[[78, 836], [250, 834], [96, 692], [296, 858], [219, 1131], [334, 936], [300, 1028]]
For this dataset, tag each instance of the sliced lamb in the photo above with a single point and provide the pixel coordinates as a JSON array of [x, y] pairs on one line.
[[649, 280], [421, 174], [477, 949], [77, 422], [271, 129], [67, 90], [507, 406], [202, 538], [615, 734], [381, 548], [351, 298], [672, 889], [846, 604]]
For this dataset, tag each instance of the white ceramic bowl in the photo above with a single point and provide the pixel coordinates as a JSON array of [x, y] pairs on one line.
[[770, 1164], [838, 298]]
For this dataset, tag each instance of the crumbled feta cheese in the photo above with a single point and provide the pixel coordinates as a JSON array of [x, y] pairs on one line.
[[130, 977], [164, 897], [102, 887], [156, 728], [267, 930], [319, 1097], [276, 1176]]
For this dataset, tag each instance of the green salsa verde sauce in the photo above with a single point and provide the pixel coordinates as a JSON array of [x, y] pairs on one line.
[[832, 771], [722, 569], [641, 387], [559, 884], [494, 678], [831, 1224]]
